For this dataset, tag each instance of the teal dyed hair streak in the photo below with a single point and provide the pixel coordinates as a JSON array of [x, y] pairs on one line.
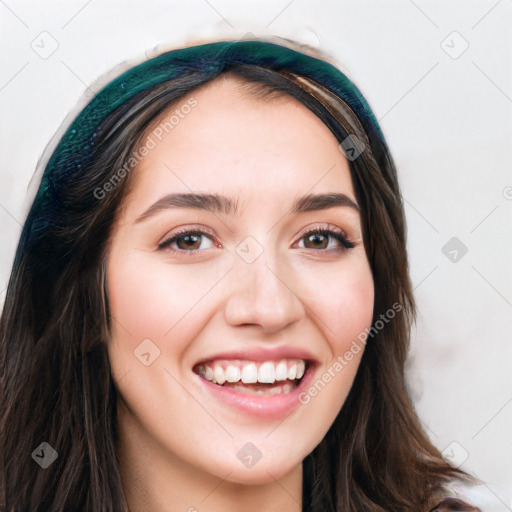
[[77, 146]]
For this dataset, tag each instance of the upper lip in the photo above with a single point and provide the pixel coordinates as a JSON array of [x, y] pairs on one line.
[[259, 354]]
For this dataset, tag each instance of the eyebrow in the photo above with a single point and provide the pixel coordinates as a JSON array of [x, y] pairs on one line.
[[209, 202], [222, 204], [313, 202]]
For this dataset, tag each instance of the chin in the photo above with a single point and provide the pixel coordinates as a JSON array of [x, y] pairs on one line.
[[260, 474]]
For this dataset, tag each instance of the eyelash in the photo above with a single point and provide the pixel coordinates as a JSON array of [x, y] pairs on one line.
[[195, 232], [337, 235], [328, 232]]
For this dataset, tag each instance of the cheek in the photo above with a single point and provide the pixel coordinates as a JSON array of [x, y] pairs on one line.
[[341, 301], [165, 304], [150, 299], [342, 309], [136, 302]]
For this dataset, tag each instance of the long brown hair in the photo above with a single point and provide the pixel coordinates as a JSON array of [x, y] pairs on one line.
[[56, 385]]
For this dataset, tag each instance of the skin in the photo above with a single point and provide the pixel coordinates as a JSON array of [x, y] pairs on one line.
[[178, 445]]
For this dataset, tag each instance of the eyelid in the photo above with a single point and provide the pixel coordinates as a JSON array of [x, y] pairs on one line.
[[182, 230], [324, 227]]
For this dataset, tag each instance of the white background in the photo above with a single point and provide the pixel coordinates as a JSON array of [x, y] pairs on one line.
[[446, 116]]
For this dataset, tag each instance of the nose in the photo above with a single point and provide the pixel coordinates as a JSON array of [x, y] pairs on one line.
[[263, 297]]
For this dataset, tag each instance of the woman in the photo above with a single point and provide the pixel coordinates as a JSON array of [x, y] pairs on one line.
[[210, 306]]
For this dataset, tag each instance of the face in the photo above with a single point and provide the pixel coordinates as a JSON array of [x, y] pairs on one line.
[[237, 278]]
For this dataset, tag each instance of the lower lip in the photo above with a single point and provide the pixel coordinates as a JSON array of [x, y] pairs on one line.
[[262, 406]]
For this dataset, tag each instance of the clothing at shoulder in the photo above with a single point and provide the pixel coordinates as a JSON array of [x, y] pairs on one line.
[[454, 505]]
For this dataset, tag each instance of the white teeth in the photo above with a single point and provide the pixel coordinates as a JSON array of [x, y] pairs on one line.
[[218, 375], [277, 390], [281, 389], [266, 373], [208, 373], [249, 374], [281, 371], [286, 388], [301, 367], [232, 374]]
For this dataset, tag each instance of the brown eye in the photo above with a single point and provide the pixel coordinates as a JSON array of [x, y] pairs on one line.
[[188, 241], [316, 241], [324, 240]]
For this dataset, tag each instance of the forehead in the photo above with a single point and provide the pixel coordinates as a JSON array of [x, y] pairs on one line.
[[221, 139]]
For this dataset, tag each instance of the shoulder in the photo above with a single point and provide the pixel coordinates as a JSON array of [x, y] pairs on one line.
[[454, 505]]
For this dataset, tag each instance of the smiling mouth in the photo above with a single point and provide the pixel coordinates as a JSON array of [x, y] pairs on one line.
[[259, 378]]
